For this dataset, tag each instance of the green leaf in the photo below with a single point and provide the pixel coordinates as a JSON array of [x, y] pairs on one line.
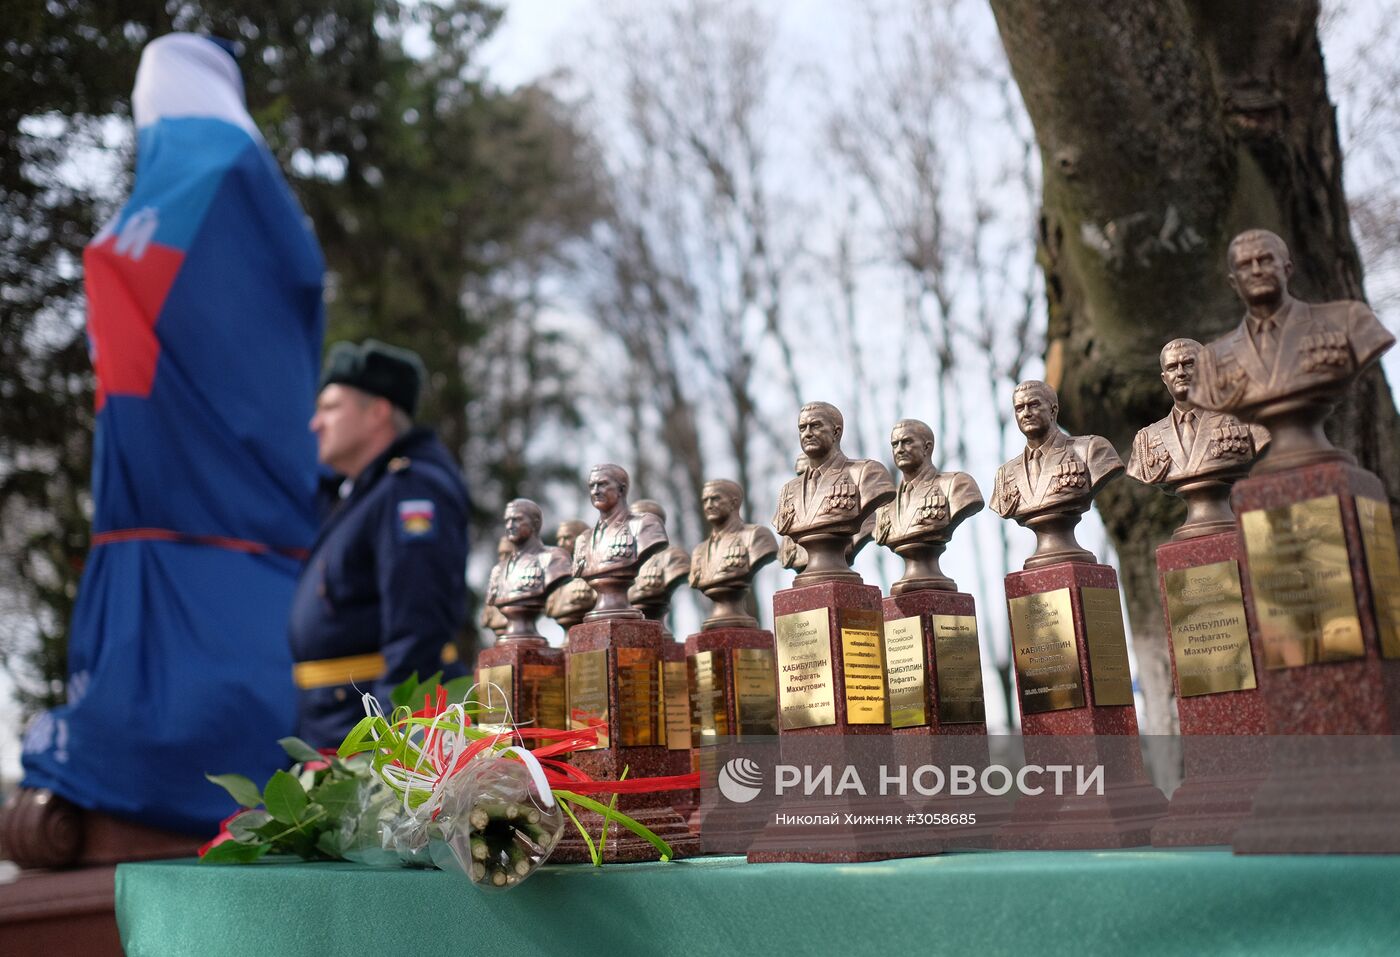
[[331, 843], [299, 751], [284, 796], [593, 853], [234, 852], [404, 692], [457, 689], [245, 826], [338, 797], [243, 790], [637, 828]]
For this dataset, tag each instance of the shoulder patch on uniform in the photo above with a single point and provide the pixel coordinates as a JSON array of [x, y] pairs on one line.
[[417, 518], [399, 463]]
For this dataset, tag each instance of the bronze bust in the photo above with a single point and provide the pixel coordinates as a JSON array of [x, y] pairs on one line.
[[1050, 484], [491, 616], [609, 556], [1192, 452], [827, 508], [929, 506], [522, 581], [661, 574], [1288, 362], [571, 601], [723, 566]]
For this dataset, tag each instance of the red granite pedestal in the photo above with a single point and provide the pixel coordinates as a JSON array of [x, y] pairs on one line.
[[675, 723], [1103, 730], [632, 649], [854, 690], [1221, 776], [1326, 669], [531, 673]]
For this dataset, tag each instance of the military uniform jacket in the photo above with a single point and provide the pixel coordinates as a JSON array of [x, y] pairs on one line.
[[1071, 469], [926, 507], [385, 576], [1320, 347], [1221, 442], [839, 496], [731, 555]]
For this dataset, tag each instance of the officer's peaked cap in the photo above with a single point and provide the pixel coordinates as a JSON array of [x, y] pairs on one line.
[[379, 369]]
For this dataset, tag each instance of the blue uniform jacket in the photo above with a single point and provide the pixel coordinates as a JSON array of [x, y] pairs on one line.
[[386, 575]]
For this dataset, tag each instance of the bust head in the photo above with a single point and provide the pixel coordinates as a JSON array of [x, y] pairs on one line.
[[1037, 409], [720, 499], [567, 532], [911, 441], [607, 487], [1178, 361], [523, 520], [1260, 268], [819, 428], [648, 506]]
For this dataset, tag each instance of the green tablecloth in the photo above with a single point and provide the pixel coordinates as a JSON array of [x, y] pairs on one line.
[[1026, 903]]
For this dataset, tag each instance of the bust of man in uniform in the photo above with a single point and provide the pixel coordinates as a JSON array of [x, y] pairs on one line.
[[661, 574], [491, 616], [929, 506], [1050, 484], [1192, 452], [521, 582], [824, 510], [572, 600], [610, 555], [723, 566], [1287, 362]]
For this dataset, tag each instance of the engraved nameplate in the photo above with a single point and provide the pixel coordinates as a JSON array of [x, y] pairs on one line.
[[806, 688], [638, 698], [1107, 646], [675, 690], [708, 720], [542, 695], [587, 676], [958, 661], [863, 665], [755, 692], [1301, 579], [493, 693], [1047, 658], [1210, 637], [904, 657], [1383, 570]]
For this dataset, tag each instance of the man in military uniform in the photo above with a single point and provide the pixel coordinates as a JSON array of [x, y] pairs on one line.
[[609, 556], [1287, 362], [568, 603], [723, 566], [661, 574], [491, 616], [383, 592], [526, 575]]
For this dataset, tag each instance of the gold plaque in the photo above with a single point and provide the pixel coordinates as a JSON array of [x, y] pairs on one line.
[[675, 691], [1210, 637], [863, 657], [709, 721], [1047, 658], [755, 692], [1107, 645], [638, 698], [1301, 578], [806, 689], [958, 661], [904, 652], [587, 677], [493, 693], [542, 695], [1383, 569]]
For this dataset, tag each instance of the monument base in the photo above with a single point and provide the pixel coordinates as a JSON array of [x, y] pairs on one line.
[[941, 672], [1321, 573], [531, 674], [613, 666]]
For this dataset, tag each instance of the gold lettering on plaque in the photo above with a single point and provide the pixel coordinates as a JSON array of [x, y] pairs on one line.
[[958, 661], [1108, 646], [1047, 658], [675, 690], [638, 698], [1303, 595], [586, 673], [709, 720], [908, 676], [1383, 569], [755, 692], [542, 695], [493, 693], [863, 657], [806, 689], [1210, 637]]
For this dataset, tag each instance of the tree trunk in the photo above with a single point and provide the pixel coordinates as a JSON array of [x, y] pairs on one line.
[[1166, 127]]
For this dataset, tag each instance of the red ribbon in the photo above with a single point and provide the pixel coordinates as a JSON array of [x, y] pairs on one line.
[[215, 541]]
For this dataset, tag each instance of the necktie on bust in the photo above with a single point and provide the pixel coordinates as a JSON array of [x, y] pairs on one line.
[[1266, 338], [1033, 458], [1188, 430]]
